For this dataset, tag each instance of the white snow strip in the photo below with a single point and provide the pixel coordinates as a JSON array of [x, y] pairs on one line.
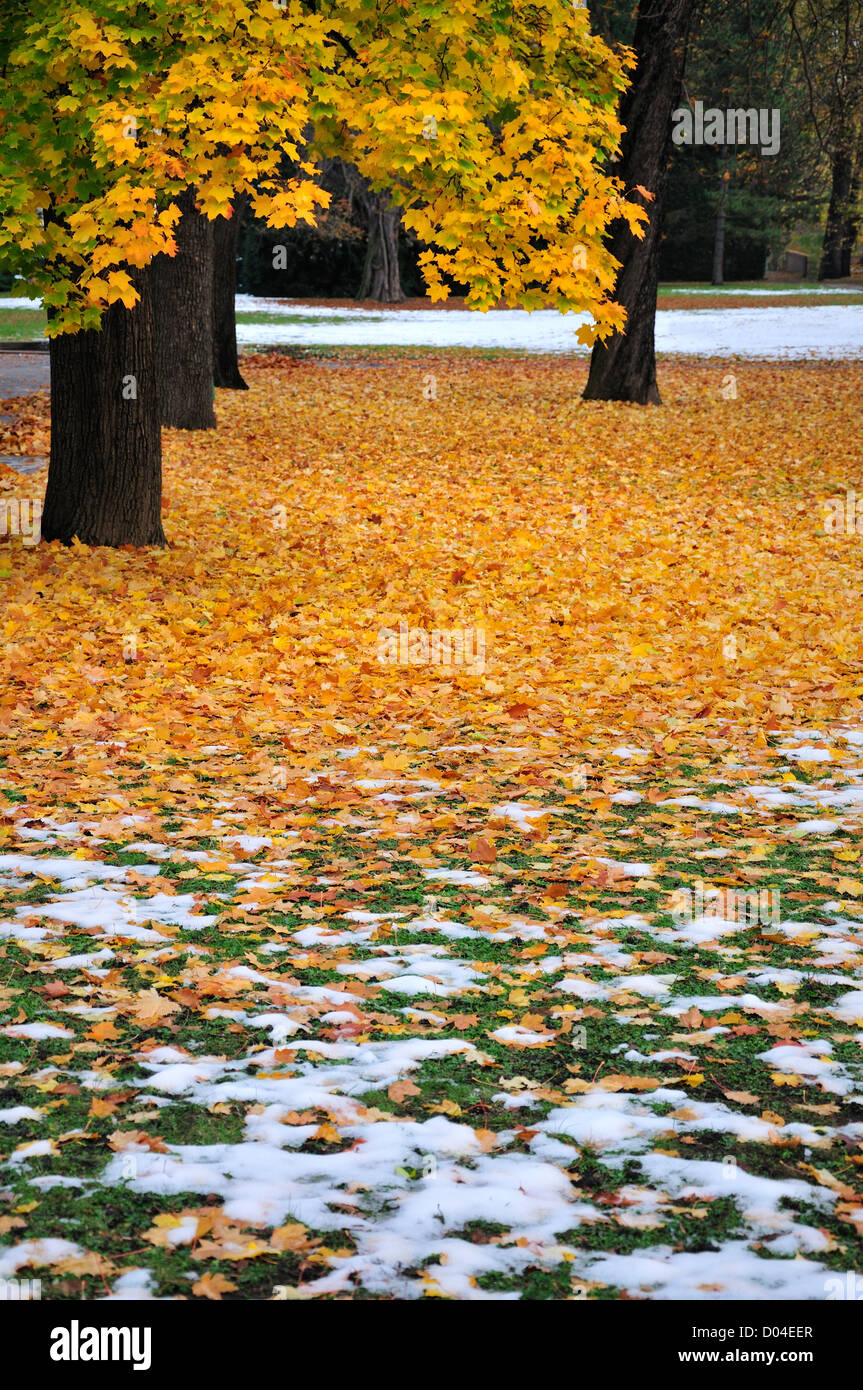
[[793, 333]]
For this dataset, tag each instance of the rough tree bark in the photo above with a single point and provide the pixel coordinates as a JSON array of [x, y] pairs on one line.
[[624, 367], [380, 278], [836, 247], [226, 231], [183, 300], [105, 470]]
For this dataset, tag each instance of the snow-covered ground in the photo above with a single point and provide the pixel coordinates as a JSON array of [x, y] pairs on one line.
[[774, 331], [405, 1188], [17, 302], [824, 331], [760, 291]]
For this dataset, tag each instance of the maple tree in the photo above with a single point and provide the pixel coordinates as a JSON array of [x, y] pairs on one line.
[[110, 115], [623, 368], [335, 965]]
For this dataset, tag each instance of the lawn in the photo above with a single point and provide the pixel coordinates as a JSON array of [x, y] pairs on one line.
[[328, 976], [21, 325]]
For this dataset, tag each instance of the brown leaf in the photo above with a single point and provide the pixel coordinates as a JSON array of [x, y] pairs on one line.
[[693, 1018], [213, 1286], [401, 1089], [482, 850], [123, 1139], [629, 1083], [55, 989], [290, 1237], [462, 1021]]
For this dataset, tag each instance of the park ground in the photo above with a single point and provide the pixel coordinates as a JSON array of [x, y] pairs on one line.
[[323, 976], [758, 319]]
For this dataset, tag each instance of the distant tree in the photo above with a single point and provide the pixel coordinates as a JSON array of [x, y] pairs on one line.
[[741, 59], [829, 35], [380, 278], [226, 233]]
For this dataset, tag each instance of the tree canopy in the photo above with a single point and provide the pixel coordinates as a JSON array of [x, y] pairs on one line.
[[491, 122]]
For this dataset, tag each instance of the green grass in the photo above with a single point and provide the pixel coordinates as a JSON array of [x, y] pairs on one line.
[[262, 316], [332, 351], [21, 324], [763, 286]]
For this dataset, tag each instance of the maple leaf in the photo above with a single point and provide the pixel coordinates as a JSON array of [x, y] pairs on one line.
[[149, 1009], [692, 1018], [327, 1133], [400, 1090], [55, 989], [849, 885], [628, 1083], [103, 1031], [121, 1140], [100, 1106], [213, 1286], [293, 1236], [89, 1264]]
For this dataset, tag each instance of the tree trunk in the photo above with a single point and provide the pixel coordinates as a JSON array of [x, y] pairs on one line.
[[850, 225], [226, 232], [718, 277], [105, 470], [380, 278], [849, 241], [838, 217], [183, 299], [624, 367]]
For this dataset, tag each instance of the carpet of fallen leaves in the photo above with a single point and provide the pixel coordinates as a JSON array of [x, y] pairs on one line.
[[325, 977], [24, 427]]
